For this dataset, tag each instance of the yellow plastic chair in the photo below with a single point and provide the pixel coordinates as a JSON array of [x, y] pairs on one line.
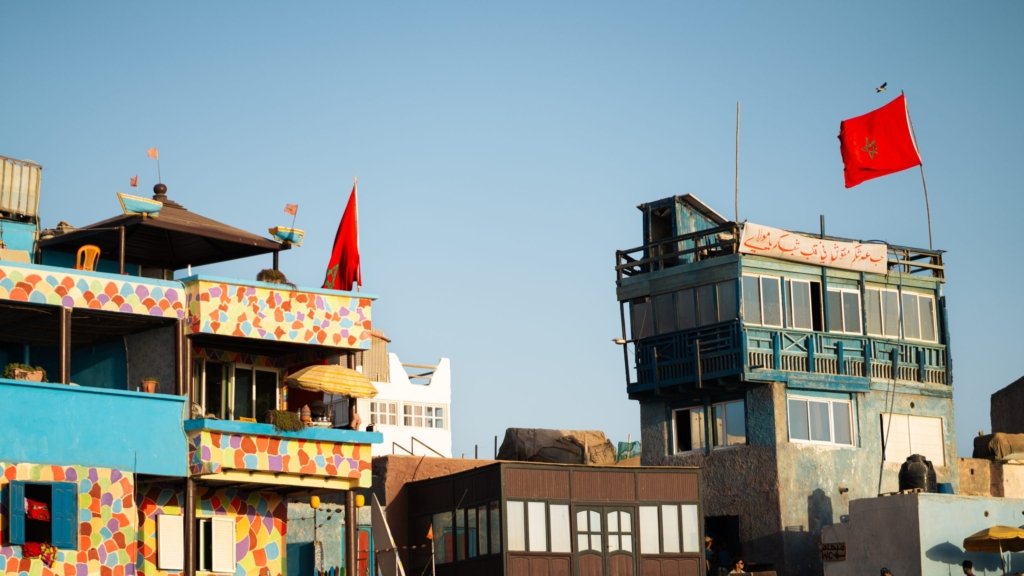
[[87, 257]]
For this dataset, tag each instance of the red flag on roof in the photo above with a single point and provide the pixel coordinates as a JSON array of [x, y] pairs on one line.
[[134, 182], [292, 209], [153, 153], [878, 143], [343, 267]]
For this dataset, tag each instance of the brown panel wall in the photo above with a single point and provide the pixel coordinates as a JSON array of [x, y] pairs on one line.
[[662, 486], [538, 565], [661, 566], [603, 486], [536, 483]]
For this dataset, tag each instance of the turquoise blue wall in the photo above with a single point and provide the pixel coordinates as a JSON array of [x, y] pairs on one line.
[[59, 424], [18, 235]]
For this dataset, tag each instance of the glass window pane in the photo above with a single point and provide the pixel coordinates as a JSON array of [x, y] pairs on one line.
[[613, 521], [595, 542], [718, 413], [471, 533], [613, 542], [727, 300], [538, 532], [691, 528], [626, 541], [515, 513], [707, 308], [751, 300], [697, 429], [873, 310], [649, 533], [771, 298], [495, 532], [444, 536], [243, 407], [891, 314], [582, 542], [581, 521], [664, 314], [834, 304], [625, 522], [851, 312], [927, 309], [670, 529], [561, 539], [735, 423], [841, 423], [483, 528], [911, 317], [819, 420], [800, 304], [686, 311], [799, 428]]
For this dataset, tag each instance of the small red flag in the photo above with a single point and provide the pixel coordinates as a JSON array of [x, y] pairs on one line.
[[430, 532], [153, 153], [343, 268], [291, 209], [134, 181], [877, 143]]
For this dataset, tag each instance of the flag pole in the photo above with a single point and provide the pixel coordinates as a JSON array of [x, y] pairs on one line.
[[737, 174], [924, 183], [359, 284]]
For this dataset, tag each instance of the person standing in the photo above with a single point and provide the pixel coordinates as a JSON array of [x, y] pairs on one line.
[[968, 567]]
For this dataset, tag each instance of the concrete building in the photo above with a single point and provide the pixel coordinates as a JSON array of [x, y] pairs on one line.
[[99, 475], [798, 370]]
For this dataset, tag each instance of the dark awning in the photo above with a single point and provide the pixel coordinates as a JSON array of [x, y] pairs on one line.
[[175, 239]]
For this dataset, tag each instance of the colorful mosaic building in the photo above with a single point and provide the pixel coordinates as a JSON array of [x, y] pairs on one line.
[[99, 474]]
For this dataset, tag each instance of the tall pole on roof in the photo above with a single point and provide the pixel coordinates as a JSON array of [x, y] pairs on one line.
[[737, 175]]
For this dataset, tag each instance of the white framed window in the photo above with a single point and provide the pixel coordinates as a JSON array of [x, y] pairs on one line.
[[803, 307], [843, 311], [384, 412], [820, 420], [537, 526], [669, 529], [729, 426], [762, 300], [905, 434], [919, 317], [215, 544], [424, 416]]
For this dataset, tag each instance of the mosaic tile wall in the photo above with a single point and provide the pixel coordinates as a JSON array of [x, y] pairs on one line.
[[61, 288], [210, 452], [281, 315], [261, 520], [107, 519]]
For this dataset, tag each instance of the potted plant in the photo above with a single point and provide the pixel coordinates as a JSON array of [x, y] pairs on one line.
[[19, 371], [149, 384]]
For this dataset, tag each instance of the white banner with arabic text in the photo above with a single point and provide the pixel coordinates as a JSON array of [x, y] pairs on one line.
[[776, 243]]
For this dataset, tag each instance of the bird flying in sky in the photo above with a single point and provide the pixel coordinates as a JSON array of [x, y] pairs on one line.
[[881, 88]]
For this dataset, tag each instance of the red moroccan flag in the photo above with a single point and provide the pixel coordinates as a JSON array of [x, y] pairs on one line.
[[292, 209], [343, 267], [877, 143], [153, 153]]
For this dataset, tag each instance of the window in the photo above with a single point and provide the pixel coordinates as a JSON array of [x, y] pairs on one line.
[[443, 531], [234, 391], [729, 426], [45, 512], [588, 531], [919, 317], [494, 518], [529, 523], [384, 413], [883, 312], [903, 435], [762, 300], [641, 318], [423, 416], [620, 530], [803, 306], [669, 529], [215, 544], [820, 420], [843, 311]]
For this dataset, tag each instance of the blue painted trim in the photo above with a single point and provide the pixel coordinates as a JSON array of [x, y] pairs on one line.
[[311, 433], [810, 380], [324, 291]]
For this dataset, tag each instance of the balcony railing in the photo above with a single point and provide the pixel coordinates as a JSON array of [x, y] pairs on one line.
[[723, 240], [731, 351]]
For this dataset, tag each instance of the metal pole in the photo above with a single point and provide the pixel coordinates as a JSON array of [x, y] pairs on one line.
[[351, 534], [737, 175]]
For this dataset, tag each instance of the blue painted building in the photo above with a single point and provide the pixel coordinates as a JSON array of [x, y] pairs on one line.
[[798, 370], [98, 476]]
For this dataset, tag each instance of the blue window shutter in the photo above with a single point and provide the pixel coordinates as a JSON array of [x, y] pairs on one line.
[[65, 515], [16, 512]]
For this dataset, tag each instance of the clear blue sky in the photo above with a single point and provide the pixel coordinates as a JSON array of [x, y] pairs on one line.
[[502, 148]]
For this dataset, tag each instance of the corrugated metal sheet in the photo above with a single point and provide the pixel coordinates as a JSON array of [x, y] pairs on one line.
[[603, 485], [667, 486], [536, 483], [19, 186]]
